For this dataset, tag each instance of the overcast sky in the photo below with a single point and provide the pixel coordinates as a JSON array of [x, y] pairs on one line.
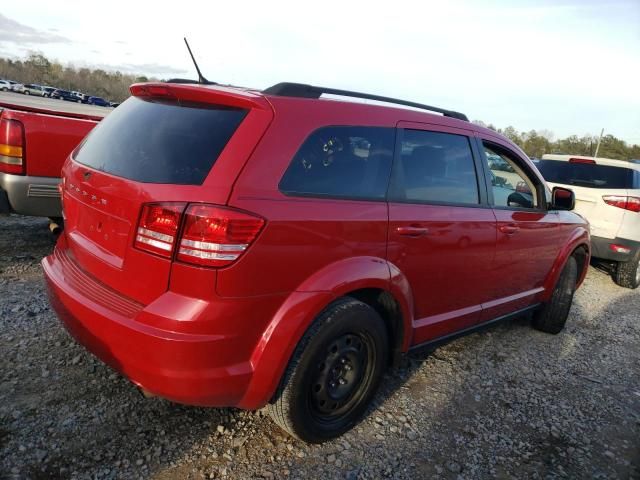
[[568, 66]]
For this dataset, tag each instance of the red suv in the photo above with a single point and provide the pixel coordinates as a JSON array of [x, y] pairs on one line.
[[230, 247]]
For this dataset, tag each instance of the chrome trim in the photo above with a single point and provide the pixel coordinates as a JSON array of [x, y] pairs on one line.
[[214, 246], [208, 255], [157, 235], [154, 243]]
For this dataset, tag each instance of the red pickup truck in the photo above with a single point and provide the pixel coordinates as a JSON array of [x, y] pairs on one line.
[[35, 140]]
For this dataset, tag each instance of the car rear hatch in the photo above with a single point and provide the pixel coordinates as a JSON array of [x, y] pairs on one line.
[[169, 144], [592, 184]]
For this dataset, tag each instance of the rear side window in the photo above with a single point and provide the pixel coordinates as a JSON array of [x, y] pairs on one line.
[[586, 174], [160, 142], [342, 162], [435, 167]]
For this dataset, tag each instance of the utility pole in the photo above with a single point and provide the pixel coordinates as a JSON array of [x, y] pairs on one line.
[[598, 146]]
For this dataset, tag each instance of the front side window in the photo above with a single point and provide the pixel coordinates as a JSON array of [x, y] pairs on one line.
[[511, 186], [435, 167], [342, 162]]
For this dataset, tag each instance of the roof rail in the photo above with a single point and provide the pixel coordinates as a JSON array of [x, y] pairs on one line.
[[302, 90]]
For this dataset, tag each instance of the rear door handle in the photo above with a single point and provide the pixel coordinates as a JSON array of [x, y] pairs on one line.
[[509, 229], [412, 231]]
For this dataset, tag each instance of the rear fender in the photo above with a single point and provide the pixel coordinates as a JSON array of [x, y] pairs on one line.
[[579, 238], [279, 340]]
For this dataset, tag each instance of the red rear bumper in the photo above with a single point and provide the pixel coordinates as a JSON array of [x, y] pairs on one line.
[[196, 369]]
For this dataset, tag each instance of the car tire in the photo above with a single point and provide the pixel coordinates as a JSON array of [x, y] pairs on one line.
[[333, 373], [552, 317], [5, 89], [26, 92], [627, 274]]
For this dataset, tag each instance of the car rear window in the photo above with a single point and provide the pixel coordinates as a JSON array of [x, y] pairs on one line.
[[154, 141], [586, 174]]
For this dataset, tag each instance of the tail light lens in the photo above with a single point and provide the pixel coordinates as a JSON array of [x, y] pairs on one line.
[[211, 236], [11, 146], [620, 201], [158, 228], [216, 236]]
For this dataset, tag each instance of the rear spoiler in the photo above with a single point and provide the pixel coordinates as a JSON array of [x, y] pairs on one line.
[[47, 111], [219, 95]]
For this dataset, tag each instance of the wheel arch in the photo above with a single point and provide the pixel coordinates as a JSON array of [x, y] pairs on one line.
[[368, 279], [578, 245]]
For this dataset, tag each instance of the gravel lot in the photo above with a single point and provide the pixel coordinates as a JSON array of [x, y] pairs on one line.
[[507, 403]]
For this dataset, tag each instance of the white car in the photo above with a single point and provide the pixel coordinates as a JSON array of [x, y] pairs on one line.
[[17, 87], [5, 85], [608, 195]]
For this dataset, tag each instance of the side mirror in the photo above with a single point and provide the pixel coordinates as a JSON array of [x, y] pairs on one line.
[[562, 199]]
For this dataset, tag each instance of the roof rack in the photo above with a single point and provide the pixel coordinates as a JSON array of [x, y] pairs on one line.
[[301, 90]]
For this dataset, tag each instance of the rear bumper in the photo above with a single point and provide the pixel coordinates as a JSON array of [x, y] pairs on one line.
[[600, 248], [29, 195], [191, 368]]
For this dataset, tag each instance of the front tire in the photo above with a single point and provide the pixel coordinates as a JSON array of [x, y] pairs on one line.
[[333, 373], [552, 317], [627, 274]]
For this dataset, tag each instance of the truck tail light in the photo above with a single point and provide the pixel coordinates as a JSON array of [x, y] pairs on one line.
[[215, 236], [11, 146], [620, 201], [158, 228]]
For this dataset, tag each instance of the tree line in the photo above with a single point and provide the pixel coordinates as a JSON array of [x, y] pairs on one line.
[[114, 86], [538, 142], [38, 69]]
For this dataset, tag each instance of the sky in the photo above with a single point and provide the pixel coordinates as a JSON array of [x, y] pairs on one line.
[[571, 67]]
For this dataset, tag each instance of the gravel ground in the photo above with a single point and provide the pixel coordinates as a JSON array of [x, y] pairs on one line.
[[507, 403]]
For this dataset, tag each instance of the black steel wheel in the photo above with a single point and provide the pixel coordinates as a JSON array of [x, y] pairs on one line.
[[334, 372]]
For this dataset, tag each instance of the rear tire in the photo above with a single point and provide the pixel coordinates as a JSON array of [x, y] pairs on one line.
[[333, 373], [26, 92], [552, 317], [627, 274]]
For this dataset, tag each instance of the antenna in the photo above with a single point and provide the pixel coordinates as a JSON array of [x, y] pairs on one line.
[[201, 78]]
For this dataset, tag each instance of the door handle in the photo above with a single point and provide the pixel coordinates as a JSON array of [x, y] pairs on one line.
[[509, 229], [412, 231]]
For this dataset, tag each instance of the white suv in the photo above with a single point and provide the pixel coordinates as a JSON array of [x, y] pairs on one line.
[[608, 196]]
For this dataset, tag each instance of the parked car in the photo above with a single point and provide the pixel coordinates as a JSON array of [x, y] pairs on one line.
[[44, 138], [5, 85], [48, 91], [33, 89], [17, 87], [608, 195], [61, 94], [79, 96], [99, 101], [285, 252]]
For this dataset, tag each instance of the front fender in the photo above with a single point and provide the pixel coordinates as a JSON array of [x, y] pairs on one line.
[[578, 238], [279, 340]]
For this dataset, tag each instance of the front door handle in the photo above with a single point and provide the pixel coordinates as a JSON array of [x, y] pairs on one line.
[[412, 231], [509, 229]]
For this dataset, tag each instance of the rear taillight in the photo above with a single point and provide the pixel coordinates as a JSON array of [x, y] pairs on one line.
[[11, 146], [621, 201], [158, 228], [216, 236], [211, 236]]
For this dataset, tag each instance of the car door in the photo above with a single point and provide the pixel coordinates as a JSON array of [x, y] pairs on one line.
[[442, 231], [528, 236]]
